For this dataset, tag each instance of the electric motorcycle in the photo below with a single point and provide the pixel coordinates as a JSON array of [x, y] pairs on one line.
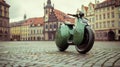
[[79, 34]]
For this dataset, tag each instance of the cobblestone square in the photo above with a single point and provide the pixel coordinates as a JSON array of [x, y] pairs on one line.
[[46, 54]]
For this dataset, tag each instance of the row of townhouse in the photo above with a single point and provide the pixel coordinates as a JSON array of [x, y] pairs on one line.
[[4, 21], [104, 18], [30, 29]]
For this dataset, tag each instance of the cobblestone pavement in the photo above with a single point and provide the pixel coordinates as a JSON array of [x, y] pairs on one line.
[[46, 54]]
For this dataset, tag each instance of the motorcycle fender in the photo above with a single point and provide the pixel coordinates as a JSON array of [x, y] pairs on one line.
[[62, 34], [78, 34]]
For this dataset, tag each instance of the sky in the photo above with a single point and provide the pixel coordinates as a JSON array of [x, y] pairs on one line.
[[34, 8]]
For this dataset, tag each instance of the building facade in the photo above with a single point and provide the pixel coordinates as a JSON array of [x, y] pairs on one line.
[[27, 30], [15, 30], [4, 21], [36, 29], [104, 18], [24, 31], [107, 20]]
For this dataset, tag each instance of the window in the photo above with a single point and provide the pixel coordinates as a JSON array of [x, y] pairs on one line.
[[108, 8], [112, 23], [96, 25], [46, 26], [108, 23], [31, 32], [108, 15], [104, 16], [112, 7], [100, 25], [112, 14], [37, 31], [55, 26], [96, 17], [100, 17], [104, 23]]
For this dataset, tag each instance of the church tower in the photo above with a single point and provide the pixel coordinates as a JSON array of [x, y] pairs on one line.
[[50, 21], [47, 10]]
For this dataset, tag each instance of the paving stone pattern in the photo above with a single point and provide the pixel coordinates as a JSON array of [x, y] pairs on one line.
[[46, 54]]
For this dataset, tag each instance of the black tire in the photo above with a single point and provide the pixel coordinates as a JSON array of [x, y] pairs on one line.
[[62, 47], [88, 41]]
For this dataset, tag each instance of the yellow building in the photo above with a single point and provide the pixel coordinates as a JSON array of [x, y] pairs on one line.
[[25, 30], [107, 18], [104, 18], [4, 21], [15, 30]]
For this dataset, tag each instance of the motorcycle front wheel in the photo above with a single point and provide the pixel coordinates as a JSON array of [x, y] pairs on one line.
[[88, 41], [61, 41]]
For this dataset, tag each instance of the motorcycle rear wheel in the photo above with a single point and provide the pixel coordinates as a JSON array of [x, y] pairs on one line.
[[88, 41]]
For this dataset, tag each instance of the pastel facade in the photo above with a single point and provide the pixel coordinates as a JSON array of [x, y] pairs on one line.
[[104, 18], [36, 30], [15, 30], [107, 18]]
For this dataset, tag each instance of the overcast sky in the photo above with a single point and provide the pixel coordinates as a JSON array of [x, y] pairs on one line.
[[34, 8]]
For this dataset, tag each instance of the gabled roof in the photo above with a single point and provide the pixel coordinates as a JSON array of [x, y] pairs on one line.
[[93, 5], [86, 8]]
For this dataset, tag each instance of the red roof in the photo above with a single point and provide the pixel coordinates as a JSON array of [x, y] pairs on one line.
[[61, 16], [35, 21]]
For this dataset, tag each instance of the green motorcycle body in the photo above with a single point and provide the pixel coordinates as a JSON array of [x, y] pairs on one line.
[[72, 34]]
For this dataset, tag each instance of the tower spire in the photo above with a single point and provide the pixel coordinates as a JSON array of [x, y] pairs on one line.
[[48, 1], [25, 16]]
